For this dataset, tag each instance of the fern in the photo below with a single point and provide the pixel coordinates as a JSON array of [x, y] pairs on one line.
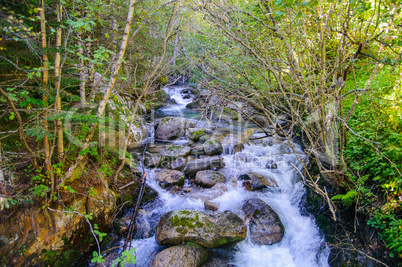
[[346, 199]]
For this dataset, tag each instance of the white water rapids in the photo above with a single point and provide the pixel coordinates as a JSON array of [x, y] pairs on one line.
[[302, 245]]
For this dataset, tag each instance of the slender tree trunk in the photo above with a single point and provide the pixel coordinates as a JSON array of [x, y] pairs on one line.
[[45, 79], [144, 91], [20, 129], [81, 67], [112, 81], [57, 73]]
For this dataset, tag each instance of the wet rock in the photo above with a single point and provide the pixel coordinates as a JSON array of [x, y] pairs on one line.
[[211, 206], [209, 230], [213, 147], [197, 104], [187, 190], [238, 148], [167, 178], [187, 255], [209, 178], [170, 128], [210, 193], [152, 160], [197, 151], [174, 152], [178, 164], [216, 262], [203, 139], [271, 165], [207, 163], [265, 226], [195, 135], [253, 181]]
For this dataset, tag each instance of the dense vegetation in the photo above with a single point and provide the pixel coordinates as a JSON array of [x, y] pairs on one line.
[[332, 67]]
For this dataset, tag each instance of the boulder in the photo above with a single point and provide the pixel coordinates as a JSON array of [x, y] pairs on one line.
[[253, 181], [34, 229], [195, 135], [213, 147], [168, 178], [211, 206], [139, 133], [209, 178], [152, 160], [170, 128], [206, 163], [178, 164], [265, 226], [238, 148], [197, 151], [187, 255], [209, 230], [174, 152], [203, 139], [210, 193], [197, 104]]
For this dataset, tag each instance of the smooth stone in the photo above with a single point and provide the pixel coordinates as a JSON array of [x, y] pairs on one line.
[[264, 223], [209, 178], [170, 128], [213, 147], [253, 181], [178, 164], [207, 163], [186, 255], [210, 206], [167, 178]]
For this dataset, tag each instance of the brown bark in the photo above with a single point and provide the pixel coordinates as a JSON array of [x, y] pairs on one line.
[[113, 78]]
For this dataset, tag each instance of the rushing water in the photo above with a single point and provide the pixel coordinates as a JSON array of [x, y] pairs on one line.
[[302, 245]]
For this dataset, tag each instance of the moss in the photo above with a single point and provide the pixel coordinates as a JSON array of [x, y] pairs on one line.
[[186, 219], [181, 181], [172, 148], [195, 135]]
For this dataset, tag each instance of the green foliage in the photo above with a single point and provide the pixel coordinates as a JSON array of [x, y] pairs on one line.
[[389, 224], [97, 258], [346, 199], [127, 256], [99, 233]]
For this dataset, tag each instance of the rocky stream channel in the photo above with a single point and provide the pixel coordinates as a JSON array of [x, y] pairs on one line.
[[226, 196]]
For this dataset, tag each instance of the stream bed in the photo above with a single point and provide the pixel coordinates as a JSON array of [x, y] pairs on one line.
[[302, 245]]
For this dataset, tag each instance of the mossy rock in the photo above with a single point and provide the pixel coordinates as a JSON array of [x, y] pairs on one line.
[[195, 135], [209, 230]]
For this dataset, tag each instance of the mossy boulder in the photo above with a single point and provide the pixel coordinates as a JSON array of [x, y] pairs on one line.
[[168, 178], [253, 181], [195, 135], [213, 147], [265, 225], [187, 255], [209, 230], [170, 128]]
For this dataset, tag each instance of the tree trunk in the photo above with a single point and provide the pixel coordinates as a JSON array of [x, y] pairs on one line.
[[112, 81], [45, 79]]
